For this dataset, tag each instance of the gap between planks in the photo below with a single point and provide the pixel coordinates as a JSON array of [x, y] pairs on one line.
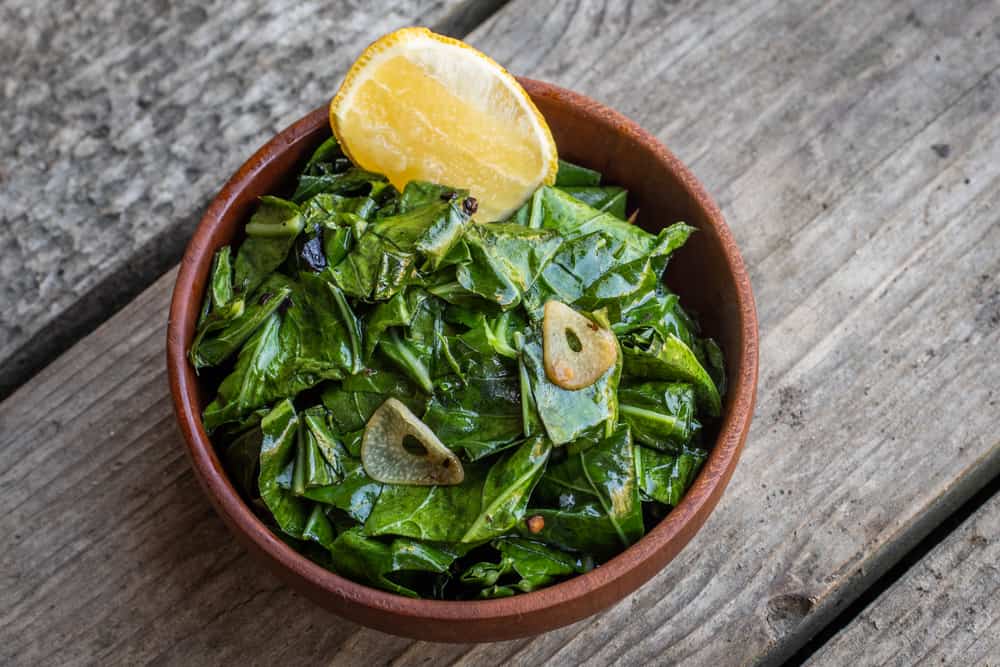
[[952, 526]]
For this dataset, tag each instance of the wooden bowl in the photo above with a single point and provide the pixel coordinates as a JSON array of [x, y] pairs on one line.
[[708, 273]]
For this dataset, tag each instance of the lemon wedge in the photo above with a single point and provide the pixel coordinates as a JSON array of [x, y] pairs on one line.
[[420, 106]]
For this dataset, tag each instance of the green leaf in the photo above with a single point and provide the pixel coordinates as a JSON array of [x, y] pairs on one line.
[[315, 338], [659, 313], [326, 453], [670, 359], [666, 477], [355, 494], [277, 451], [438, 513], [318, 528], [505, 260], [367, 560], [485, 505], [570, 174], [393, 249], [479, 417], [397, 311], [603, 269], [354, 181], [219, 339], [352, 403], [597, 493], [242, 460], [608, 199], [660, 414], [220, 301], [525, 565], [507, 489], [420, 193], [271, 233], [327, 155], [569, 414]]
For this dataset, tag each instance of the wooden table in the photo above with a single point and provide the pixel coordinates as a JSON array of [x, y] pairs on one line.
[[855, 150]]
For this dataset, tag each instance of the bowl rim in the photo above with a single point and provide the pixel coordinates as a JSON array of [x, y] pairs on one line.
[[674, 531]]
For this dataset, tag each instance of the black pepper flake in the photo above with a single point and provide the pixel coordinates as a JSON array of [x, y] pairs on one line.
[[449, 196], [470, 205], [285, 305], [312, 252], [264, 298]]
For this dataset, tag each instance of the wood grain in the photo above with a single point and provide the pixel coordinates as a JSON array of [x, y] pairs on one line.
[[945, 610], [122, 119], [821, 129]]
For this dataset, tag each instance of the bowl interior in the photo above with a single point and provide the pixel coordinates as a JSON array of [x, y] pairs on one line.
[[707, 273]]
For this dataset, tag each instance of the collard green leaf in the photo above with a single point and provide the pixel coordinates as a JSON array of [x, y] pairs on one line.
[[271, 233], [666, 477], [362, 558], [314, 338], [356, 494], [607, 199], [525, 565], [220, 303], [277, 451], [326, 453], [420, 193], [505, 260], [318, 528], [584, 527], [660, 414], [570, 174], [252, 382], [478, 417], [490, 502], [218, 339], [242, 460], [438, 513], [409, 358], [569, 414], [596, 492], [392, 250], [507, 489], [657, 313], [397, 311], [714, 362], [353, 181], [606, 270], [670, 359], [352, 403]]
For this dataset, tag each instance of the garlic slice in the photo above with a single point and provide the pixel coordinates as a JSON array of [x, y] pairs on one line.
[[576, 350], [398, 448]]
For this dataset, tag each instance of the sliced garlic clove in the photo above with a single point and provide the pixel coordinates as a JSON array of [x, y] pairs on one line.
[[398, 448], [576, 350]]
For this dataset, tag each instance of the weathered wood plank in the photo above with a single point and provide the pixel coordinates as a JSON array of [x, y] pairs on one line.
[[876, 268], [875, 265], [946, 610], [111, 553], [122, 119]]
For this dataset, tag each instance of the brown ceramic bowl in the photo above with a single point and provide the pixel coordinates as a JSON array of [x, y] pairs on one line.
[[708, 273]]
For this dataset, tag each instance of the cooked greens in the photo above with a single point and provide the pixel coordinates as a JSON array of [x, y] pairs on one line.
[[360, 334]]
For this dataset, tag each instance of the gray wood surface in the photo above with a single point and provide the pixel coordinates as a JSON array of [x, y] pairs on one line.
[[852, 147], [121, 120], [944, 611]]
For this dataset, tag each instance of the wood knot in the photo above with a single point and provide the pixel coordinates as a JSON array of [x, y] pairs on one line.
[[786, 611]]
